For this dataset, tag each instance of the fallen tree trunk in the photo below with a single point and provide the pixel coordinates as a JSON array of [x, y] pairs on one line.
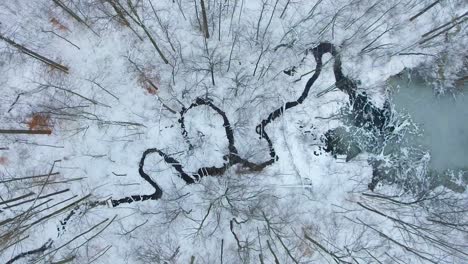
[[25, 131]]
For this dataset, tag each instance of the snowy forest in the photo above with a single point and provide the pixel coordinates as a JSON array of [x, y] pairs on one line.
[[233, 131]]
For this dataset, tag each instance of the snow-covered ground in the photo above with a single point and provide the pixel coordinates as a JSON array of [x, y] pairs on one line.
[[119, 98]]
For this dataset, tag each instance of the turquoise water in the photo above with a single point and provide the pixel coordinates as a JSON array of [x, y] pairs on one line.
[[443, 120], [440, 146]]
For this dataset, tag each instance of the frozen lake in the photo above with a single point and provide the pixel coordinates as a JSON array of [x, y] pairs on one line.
[[443, 120]]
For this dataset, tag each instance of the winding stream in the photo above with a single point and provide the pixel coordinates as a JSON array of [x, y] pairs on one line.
[[364, 113], [441, 119]]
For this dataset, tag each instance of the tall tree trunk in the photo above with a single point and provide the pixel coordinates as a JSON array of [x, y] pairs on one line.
[[205, 19], [74, 15], [35, 55]]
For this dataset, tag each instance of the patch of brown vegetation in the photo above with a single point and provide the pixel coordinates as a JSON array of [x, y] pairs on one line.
[[149, 80], [58, 25], [3, 160], [39, 121], [56, 72], [149, 88], [305, 247]]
